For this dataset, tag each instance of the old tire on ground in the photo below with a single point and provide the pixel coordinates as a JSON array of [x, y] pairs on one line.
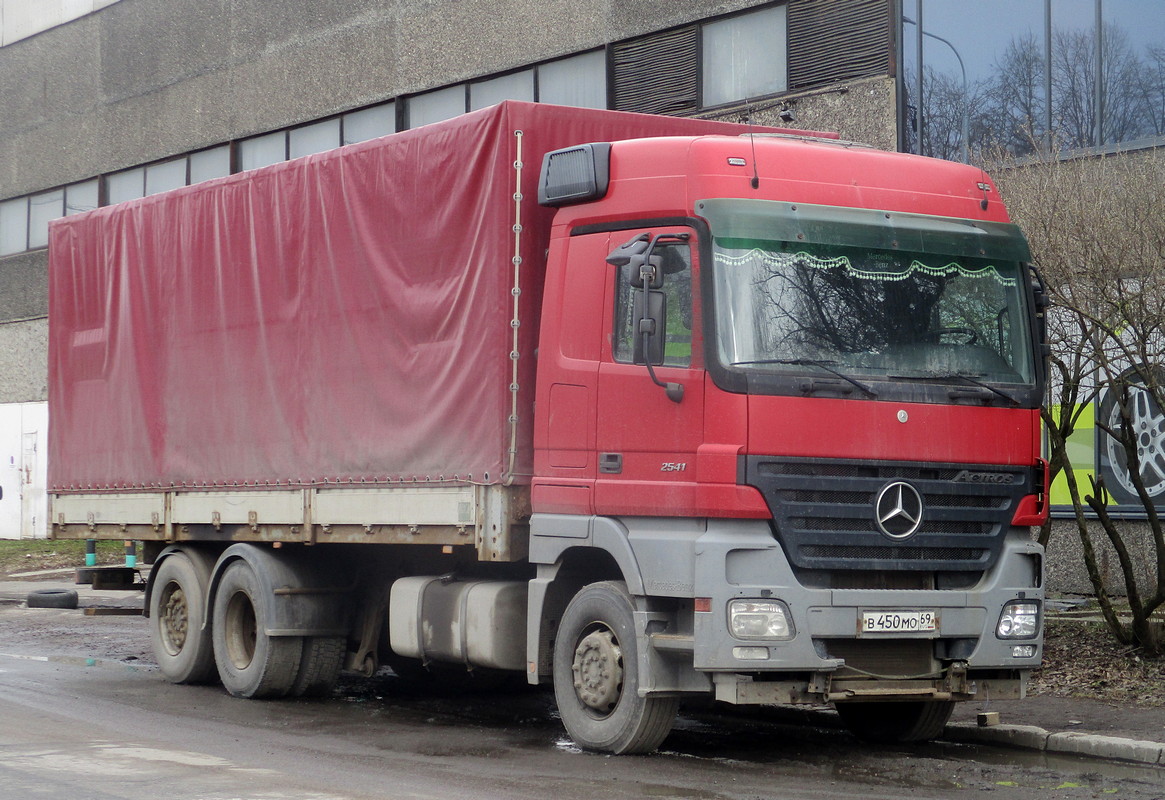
[[319, 666], [250, 663], [52, 598], [915, 721], [181, 643], [596, 676]]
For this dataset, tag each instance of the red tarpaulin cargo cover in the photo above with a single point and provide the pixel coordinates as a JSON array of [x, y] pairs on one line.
[[344, 317]]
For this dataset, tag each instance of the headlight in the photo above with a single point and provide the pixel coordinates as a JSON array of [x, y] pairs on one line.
[[760, 619], [1020, 619]]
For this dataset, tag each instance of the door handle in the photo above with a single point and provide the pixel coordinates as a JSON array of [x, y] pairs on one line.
[[611, 463]]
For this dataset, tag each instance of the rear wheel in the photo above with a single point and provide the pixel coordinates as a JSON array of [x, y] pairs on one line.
[[250, 662], [896, 722], [319, 665], [181, 642], [596, 676]]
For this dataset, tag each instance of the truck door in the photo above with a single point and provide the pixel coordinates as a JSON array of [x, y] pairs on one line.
[[646, 440]]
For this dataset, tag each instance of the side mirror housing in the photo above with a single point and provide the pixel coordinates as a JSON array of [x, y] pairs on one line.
[[650, 319], [621, 256]]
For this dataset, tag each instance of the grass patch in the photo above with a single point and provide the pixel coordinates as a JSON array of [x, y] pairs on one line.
[[28, 555]]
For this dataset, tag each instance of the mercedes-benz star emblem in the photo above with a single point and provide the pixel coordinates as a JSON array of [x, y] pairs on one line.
[[898, 510]]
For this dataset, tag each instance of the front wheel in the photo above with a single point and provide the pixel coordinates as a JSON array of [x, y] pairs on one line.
[[596, 676], [896, 722]]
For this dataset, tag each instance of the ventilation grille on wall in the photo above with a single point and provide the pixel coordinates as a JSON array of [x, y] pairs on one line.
[[658, 74], [829, 41], [837, 40]]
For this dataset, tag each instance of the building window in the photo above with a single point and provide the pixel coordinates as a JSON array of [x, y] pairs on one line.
[[129, 184], [744, 57], [1031, 85], [369, 123], [579, 81], [208, 164], [516, 86], [263, 151], [314, 138], [165, 176], [13, 226], [81, 197], [436, 106], [43, 208]]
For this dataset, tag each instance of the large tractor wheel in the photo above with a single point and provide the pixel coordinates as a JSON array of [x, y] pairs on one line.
[[596, 676], [914, 721]]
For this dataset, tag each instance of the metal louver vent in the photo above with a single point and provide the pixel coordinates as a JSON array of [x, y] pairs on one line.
[[658, 74], [837, 40]]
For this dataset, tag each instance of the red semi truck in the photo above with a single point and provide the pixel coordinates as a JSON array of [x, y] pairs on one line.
[[644, 407]]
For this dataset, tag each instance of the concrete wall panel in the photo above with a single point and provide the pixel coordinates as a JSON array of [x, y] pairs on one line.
[[24, 375], [146, 79], [24, 286]]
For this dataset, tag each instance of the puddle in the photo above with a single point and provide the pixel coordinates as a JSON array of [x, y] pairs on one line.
[[1090, 771]]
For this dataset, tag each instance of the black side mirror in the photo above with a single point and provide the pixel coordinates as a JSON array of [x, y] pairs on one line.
[[650, 313], [1043, 301], [621, 256]]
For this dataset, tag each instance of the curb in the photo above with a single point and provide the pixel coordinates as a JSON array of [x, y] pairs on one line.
[[1030, 737]]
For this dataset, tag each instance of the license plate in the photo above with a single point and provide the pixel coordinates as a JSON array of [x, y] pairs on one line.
[[898, 621]]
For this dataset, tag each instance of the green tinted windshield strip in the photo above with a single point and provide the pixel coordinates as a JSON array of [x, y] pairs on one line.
[[770, 220]]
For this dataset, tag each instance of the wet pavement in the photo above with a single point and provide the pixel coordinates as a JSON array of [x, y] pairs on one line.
[[714, 752]]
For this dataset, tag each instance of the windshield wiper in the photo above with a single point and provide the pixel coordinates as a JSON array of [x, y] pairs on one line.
[[946, 376], [811, 362]]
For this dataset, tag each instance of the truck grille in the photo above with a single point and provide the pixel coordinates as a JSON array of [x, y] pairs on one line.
[[898, 657], [825, 517]]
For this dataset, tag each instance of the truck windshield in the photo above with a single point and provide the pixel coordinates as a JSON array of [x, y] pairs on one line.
[[871, 313]]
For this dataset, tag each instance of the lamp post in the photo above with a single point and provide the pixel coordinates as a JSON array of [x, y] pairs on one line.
[[963, 69]]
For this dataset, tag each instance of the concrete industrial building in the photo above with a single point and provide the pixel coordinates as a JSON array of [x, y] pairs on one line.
[[103, 101]]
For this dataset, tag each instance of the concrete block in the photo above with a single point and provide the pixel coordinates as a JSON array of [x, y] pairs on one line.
[[1107, 747], [1028, 737]]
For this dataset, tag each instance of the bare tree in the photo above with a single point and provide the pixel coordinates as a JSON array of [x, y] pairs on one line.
[[1150, 86], [1008, 109], [1015, 98], [1074, 81], [1097, 229]]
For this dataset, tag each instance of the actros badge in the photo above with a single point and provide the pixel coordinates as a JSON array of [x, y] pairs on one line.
[[898, 510]]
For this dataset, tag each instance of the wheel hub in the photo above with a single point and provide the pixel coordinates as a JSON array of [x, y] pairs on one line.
[[175, 621], [598, 671]]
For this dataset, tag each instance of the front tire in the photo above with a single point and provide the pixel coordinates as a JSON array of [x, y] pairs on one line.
[[906, 722], [250, 663], [181, 642], [596, 676]]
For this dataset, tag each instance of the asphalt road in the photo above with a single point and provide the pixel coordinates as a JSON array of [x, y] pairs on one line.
[[83, 714]]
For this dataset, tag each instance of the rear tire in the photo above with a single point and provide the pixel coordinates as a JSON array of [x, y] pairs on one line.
[[181, 642], [319, 666], [250, 663], [596, 676], [896, 722]]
